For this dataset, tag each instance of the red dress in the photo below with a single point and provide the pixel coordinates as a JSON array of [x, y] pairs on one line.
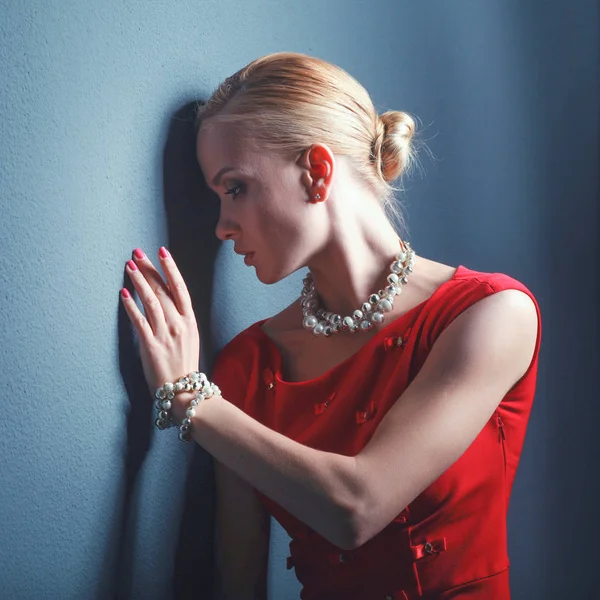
[[450, 542]]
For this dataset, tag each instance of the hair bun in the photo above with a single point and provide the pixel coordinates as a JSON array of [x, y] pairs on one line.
[[392, 148]]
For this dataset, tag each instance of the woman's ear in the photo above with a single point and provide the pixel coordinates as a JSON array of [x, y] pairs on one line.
[[318, 165]]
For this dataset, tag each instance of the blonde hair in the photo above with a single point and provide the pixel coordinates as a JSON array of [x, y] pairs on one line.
[[289, 101]]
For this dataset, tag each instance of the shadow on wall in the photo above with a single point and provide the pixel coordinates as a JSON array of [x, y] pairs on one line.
[[192, 215], [191, 219]]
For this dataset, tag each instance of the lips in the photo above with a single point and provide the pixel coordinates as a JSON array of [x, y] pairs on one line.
[[248, 258]]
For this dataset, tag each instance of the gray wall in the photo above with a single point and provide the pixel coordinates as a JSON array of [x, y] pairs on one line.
[[97, 158]]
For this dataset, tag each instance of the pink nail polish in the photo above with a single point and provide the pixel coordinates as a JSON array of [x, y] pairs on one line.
[[125, 293], [139, 254], [163, 252], [132, 265]]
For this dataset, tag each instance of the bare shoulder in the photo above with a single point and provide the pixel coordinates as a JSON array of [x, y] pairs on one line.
[[510, 304], [504, 324]]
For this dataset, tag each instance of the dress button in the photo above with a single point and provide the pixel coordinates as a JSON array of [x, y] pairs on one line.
[[428, 548], [343, 558], [271, 385]]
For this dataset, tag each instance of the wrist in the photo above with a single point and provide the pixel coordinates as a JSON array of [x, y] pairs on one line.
[[181, 403], [177, 403]]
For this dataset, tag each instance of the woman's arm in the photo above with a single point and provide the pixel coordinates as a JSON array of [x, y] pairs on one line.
[[242, 533], [304, 481], [472, 365]]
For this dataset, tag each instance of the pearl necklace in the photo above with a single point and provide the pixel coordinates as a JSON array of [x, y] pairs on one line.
[[325, 323]]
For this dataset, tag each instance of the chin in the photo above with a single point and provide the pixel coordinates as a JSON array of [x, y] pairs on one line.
[[269, 278]]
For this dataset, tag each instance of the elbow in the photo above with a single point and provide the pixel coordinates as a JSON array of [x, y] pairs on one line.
[[354, 531], [367, 519], [351, 506], [360, 521], [348, 537], [362, 505]]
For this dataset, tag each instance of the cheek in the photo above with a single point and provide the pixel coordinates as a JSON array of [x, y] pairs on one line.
[[281, 216], [285, 207]]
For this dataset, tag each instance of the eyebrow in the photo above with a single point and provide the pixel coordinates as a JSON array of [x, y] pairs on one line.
[[217, 178]]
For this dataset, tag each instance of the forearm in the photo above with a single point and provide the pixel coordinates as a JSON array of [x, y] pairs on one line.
[[318, 488]]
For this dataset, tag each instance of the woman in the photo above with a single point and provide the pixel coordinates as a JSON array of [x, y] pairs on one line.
[[379, 417]]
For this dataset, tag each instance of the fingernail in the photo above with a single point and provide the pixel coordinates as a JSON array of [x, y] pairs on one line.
[[163, 252], [139, 254], [132, 265], [125, 293]]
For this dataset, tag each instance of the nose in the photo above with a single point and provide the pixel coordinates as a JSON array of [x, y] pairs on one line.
[[226, 228]]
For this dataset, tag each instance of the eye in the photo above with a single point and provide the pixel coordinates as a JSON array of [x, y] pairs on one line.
[[234, 190]]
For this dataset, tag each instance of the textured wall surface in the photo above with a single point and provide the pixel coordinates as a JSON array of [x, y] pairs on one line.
[[96, 158]]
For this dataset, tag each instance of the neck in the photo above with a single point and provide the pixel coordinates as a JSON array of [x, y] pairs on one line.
[[355, 263]]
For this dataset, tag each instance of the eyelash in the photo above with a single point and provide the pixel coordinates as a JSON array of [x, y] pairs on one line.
[[232, 193]]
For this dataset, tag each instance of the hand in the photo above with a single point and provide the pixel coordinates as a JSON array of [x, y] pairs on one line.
[[168, 332]]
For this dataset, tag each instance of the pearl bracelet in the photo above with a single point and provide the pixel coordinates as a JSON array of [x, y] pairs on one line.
[[194, 381]]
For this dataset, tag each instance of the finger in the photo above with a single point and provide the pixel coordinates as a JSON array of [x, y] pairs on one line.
[[137, 317], [157, 285], [177, 286], [152, 305]]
